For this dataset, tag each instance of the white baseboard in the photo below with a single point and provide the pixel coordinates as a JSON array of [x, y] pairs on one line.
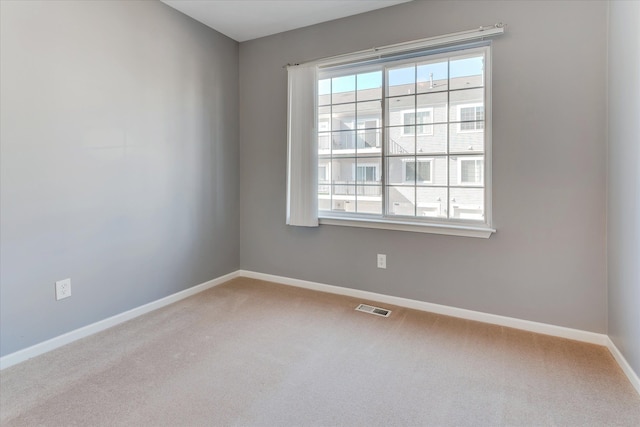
[[624, 365], [69, 337], [511, 322], [526, 325]]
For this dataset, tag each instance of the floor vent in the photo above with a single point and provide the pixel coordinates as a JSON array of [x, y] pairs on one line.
[[373, 310]]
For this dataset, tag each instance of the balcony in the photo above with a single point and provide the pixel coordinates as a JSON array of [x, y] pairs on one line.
[[349, 188]]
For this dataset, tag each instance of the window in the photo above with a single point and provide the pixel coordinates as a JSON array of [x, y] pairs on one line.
[[408, 139], [405, 131]]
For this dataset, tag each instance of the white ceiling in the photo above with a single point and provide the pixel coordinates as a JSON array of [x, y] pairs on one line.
[[244, 20]]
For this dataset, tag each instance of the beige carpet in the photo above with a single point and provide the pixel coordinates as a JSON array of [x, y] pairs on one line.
[[255, 353]]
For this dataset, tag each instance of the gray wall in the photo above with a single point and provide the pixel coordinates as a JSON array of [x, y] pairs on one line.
[[547, 261], [623, 215], [119, 154]]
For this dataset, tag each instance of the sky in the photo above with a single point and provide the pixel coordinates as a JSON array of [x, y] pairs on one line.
[[405, 74]]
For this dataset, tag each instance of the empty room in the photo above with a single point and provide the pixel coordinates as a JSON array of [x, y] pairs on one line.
[[319, 213]]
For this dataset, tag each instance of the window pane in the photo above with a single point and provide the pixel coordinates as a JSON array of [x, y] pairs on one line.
[[437, 169], [432, 202], [396, 107], [369, 86], [343, 141], [324, 144], [324, 171], [432, 76], [423, 171], [399, 142], [401, 80], [369, 170], [436, 103], [423, 119], [467, 72], [343, 170], [369, 141], [466, 141], [409, 175], [467, 203], [343, 89], [324, 118], [433, 143], [369, 199], [401, 170], [465, 98], [369, 114], [342, 202], [401, 113], [401, 201], [324, 92], [469, 172], [324, 198], [343, 117], [466, 171]]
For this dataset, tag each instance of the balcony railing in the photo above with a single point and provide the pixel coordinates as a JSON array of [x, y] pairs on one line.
[[346, 142], [349, 188]]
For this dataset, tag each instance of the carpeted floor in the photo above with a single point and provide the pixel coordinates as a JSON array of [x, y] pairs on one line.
[[254, 353]]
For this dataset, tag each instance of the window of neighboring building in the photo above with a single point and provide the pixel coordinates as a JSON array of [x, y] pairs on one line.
[[418, 171], [418, 122], [367, 173], [471, 170], [471, 118]]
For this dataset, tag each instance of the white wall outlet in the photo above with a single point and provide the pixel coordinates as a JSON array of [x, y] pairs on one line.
[[63, 289], [382, 261]]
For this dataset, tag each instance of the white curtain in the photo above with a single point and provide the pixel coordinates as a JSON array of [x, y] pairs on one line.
[[302, 151]]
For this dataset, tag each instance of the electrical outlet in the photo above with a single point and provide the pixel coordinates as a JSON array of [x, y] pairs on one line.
[[63, 289], [382, 261]]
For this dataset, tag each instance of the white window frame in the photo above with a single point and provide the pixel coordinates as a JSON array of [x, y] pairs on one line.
[[473, 105], [302, 152], [415, 126]]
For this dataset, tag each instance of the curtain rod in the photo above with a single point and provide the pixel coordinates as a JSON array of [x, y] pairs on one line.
[[481, 32]]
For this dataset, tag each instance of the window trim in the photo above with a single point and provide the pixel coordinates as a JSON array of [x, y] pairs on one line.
[[450, 229]]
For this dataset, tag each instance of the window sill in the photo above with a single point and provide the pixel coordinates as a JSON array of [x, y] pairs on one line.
[[416, 227]]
